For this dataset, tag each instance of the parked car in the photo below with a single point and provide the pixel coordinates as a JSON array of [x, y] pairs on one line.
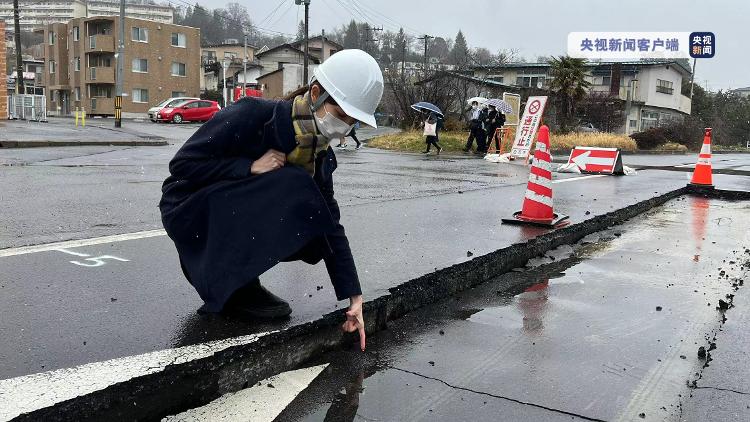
[[189, 111], [169, 102]]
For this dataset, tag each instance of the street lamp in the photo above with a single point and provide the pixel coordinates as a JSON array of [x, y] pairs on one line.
[[224, 66]]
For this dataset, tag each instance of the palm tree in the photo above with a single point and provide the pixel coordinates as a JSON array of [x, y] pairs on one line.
[[569, 85]]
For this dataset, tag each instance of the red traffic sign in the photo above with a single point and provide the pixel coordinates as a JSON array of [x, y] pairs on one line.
[[597, 160], [535, 106]]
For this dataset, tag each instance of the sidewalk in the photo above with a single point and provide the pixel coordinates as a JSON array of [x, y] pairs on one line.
[[63, 132]]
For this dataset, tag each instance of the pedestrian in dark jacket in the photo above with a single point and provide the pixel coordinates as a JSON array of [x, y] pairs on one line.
[[254, 187], [432, 126], [495, 120], [474, 125]]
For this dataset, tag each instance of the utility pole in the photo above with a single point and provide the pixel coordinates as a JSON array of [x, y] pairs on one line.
[[120, 72], [19, 59], [244, 70], [369, 39], [323, 47], [307, 43], [692, 79], [425, 38]]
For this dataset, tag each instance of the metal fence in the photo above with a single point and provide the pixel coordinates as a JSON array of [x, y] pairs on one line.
[[27, 107]]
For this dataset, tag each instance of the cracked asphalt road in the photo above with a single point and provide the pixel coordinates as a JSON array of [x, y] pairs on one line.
[[608, 330]]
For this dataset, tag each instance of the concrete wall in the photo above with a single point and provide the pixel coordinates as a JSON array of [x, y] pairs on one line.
[[3, 92]]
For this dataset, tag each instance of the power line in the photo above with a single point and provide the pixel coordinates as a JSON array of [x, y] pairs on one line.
[[289, 7], [241, 24], [273, 12]]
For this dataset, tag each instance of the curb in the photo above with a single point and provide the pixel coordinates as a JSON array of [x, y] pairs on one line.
[[183, 386], [35, 144]]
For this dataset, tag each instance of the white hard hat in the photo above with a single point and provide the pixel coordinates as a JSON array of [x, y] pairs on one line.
[[354, 80]]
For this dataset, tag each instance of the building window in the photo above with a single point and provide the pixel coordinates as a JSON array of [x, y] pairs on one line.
[[140, 95], [77, 63], [649, 120], [530, 81], [606, 80], [633, 124], [76, 33], [179, 40], [101, 91], [665, 87], [52, 67], [140, 65], [77, 93], [176, 94], [496, 78], [52, 37], [178, 69], [139, 34]]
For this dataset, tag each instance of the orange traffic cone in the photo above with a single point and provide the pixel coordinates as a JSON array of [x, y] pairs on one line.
[[702, 175], [537, 204]]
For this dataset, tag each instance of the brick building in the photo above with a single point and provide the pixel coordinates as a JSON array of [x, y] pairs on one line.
[[160, 61]]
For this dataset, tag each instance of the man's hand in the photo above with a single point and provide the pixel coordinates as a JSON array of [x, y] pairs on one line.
[[271, 160], [355, 320]]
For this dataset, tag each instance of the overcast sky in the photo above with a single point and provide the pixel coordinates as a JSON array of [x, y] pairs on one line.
[[535, 27]]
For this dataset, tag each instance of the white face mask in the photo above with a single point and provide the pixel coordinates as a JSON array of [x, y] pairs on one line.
[[331, 126]]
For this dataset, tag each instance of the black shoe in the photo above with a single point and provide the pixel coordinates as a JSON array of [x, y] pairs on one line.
[[255, 301], [439, 150], [466, 149], [426, 152]]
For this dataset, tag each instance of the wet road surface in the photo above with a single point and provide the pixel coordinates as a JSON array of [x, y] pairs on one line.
[[405, 212], [609, 335]]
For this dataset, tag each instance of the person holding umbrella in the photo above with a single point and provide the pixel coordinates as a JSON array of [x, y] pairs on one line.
[[431, 128], [254, 187]]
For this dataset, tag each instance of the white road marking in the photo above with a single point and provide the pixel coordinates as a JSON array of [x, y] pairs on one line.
[[145, 234], [259, 403], [573, 179], [82, 255], [82, 242], [36, 391]]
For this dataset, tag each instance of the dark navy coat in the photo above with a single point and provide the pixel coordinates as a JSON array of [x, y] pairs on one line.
[[230, 226]]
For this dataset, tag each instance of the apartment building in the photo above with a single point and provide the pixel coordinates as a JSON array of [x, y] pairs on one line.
[[160, 61], [37, 14], [3, 92], [654, 87]]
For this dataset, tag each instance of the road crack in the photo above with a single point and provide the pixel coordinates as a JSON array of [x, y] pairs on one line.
[[707, 387], [551, 409]]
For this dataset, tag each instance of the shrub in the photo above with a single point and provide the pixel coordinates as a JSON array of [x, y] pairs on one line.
[[650, 138], [688, 133], [454, 124]]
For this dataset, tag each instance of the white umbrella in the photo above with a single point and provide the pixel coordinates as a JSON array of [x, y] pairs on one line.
[[480, 100]]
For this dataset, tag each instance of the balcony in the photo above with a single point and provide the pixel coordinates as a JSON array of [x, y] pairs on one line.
[[100, 75], [101, 105], [100, 43]]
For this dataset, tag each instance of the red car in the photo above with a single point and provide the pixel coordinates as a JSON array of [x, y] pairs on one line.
[[189, 111]]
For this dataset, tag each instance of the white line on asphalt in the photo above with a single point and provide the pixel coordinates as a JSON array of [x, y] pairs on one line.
[[32, 392], [575, 179], [81, 242], [144, 234], [260, 402]]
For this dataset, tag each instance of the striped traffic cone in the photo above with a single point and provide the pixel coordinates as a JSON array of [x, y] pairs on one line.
[[702, 176], [537, 204]]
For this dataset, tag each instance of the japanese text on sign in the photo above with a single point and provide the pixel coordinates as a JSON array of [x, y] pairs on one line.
[[528, 126]]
